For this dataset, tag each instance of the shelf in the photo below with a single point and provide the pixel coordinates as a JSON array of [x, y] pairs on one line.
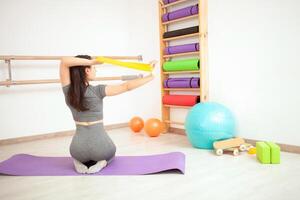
[[183, 72], [181, 54], [171, 122], [174, 106], [183, 89], [181, 37], [201, 36], [174, 3], [180, 19]]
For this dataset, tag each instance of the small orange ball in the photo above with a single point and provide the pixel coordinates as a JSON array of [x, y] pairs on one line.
[[153, 127], [136, 124]]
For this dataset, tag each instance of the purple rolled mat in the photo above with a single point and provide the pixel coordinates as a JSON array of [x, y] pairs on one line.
[[183, 12], [182, 48], [169, 1], [193, 82]]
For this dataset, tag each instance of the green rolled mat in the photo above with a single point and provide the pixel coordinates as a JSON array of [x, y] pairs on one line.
[[182, 65]]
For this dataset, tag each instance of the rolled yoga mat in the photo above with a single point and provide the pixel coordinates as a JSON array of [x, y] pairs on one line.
[[182, 65], [169, 1], [182, 48], [193, 82], [179, 32], [181, 100], [29, 165], [184, 12]]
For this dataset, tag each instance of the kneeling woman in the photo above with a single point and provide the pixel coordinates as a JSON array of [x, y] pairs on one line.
[[91, 147]]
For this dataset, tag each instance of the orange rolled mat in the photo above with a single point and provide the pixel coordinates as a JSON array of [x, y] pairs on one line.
[[181, 100]]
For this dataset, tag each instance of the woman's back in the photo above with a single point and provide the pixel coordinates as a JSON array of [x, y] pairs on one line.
[[93, 99]]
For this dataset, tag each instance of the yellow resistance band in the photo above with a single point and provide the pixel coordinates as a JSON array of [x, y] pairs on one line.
[[132, 65]]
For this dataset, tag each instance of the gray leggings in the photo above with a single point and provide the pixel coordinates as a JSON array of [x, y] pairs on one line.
[[91, 143]]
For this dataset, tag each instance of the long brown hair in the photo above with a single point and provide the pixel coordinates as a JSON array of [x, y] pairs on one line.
[[79, 84]]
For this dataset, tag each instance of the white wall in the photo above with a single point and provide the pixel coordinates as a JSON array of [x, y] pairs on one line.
[[70, 27], [253, 66]]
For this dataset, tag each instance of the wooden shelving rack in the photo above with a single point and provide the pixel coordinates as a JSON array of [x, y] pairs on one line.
[[202, 55]]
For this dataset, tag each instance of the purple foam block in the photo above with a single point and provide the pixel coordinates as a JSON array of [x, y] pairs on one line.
[[182, 48], [29, 165], [193, 82], [183, 12]]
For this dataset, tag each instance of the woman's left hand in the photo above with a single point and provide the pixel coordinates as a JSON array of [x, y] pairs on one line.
[[153, 63]]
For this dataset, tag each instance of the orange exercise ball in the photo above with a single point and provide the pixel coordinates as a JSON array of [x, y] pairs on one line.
[[154, 127], [136, 124]]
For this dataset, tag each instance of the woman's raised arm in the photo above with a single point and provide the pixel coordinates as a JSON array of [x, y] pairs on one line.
[[67, 62]]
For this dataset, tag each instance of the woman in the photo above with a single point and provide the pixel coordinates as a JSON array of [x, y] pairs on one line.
[[91, 147]]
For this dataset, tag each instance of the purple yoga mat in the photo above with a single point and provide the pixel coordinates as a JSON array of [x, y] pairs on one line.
[[183, 12], [29, 165], [182, 48], [193, 82]]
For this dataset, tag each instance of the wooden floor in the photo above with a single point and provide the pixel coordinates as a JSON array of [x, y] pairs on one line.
[[207, 176]]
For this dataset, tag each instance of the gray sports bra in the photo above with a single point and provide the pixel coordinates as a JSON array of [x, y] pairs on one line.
[[93, 100]]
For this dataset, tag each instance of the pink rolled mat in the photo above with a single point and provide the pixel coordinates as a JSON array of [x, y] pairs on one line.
[[193, 82], [181, 100], [182, 48], [183, 12]]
